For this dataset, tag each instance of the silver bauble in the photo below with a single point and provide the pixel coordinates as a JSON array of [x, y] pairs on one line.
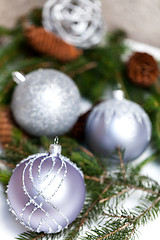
[[46, 192], [45, 102], [78, 22], [118, 123]]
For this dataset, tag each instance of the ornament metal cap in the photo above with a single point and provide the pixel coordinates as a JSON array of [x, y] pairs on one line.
[[55, 148], [118, 94], [18, 77]]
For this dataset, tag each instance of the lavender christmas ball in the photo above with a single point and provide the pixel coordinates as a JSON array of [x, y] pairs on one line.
[[46, 192], [45, 102], [118, 123]]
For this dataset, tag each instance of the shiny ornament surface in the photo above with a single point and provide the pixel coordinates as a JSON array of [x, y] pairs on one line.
[[45, 102], [46, 192], [118, 123], [78, 22]]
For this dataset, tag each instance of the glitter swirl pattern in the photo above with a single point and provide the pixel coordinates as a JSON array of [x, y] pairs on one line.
[[49, 193]]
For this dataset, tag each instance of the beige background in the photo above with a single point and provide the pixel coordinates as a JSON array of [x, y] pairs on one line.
[[140, 18]]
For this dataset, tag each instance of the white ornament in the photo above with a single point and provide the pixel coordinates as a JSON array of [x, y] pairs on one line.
[[78, 22], [45, 102]]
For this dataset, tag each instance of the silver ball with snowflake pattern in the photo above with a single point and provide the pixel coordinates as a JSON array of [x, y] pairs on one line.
[[121, 124]]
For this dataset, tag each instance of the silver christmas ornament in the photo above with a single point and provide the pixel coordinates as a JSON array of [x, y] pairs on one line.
[[118, 123], [78, 22], [45, 102], [46, 192]]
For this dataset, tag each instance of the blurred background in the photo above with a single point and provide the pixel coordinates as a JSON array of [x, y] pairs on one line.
[[139, 18]]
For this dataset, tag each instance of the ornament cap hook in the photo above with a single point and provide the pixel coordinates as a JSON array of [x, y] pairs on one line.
[[55, 148], [18, 77], [56, 140], [118, 94]]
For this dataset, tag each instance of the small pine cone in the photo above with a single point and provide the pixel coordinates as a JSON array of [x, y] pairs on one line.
[[6, 126], [49, 44], [78, 131], [142, 69]]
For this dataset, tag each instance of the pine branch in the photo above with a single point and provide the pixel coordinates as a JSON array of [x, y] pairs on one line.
[[30, 236], [6, 31], [5, 176], [122, 164], [10, 165], [115, 195], [83, 69], [127, 221]]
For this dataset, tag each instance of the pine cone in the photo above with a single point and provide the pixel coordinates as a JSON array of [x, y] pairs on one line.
[[78, 131], [49, 44], [6, 126], [142, 69]]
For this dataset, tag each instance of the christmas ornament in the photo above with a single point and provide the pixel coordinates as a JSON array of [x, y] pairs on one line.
[[142, 69], [118, 123], [46, 192], [78, 22], [45, 102], [49, 44]]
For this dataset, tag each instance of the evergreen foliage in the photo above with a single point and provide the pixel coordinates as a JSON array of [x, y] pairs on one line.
[[97, 69]]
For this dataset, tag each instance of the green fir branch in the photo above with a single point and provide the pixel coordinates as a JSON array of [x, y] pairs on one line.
[[5, 176]]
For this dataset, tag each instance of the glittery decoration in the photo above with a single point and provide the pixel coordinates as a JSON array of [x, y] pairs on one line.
[[118, 123], [46, 103], [78, 22], [46, 192]]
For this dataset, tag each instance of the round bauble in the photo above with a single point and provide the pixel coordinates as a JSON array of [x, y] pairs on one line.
[[118, 123], [45, 102], [78, 22], [46, 192]]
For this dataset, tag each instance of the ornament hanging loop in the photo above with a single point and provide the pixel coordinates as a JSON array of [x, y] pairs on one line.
[[18, 77], [55, 148], [56, 140]]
